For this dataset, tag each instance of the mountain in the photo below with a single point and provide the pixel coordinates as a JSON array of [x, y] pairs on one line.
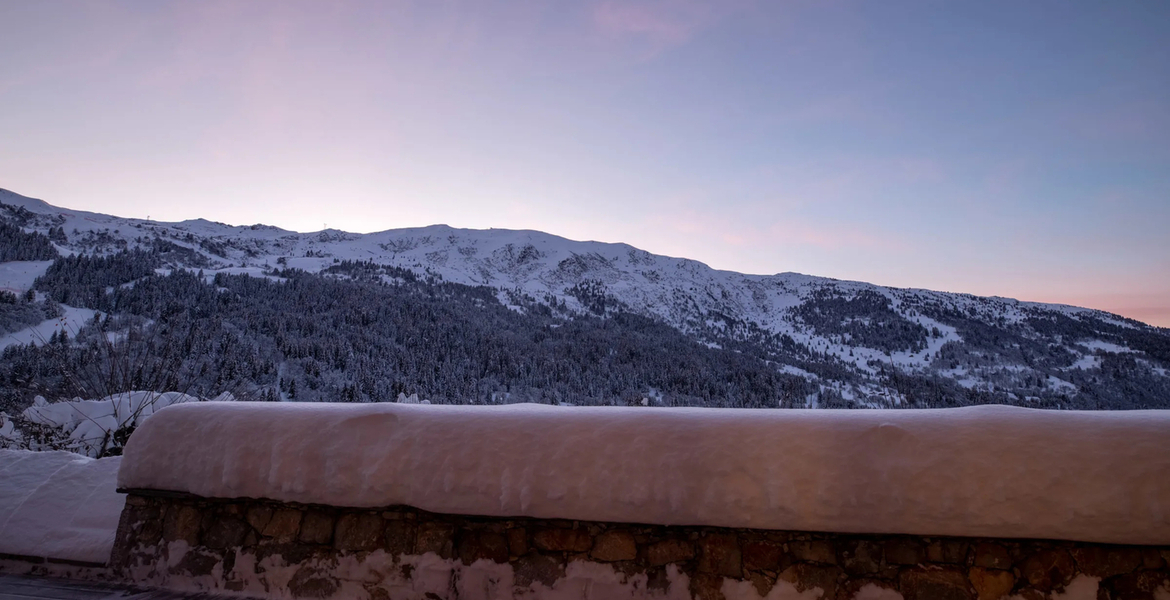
[[798, 339]]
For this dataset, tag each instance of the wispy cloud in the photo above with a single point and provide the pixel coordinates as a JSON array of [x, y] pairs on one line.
[[661, 24]]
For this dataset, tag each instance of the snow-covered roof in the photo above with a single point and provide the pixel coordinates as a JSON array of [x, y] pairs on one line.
[[981, 471]]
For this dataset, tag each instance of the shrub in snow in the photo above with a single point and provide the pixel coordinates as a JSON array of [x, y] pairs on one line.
[[95, 428]]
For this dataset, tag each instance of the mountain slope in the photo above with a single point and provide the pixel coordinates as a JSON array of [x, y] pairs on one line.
[[856, 344]]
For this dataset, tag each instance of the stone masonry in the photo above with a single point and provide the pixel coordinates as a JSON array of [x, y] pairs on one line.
[[256, 545]]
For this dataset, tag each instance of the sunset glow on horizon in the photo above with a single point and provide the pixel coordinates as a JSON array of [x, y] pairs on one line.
[[998, 148]]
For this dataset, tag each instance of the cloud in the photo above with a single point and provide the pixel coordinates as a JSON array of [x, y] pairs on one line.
[[661, 24]]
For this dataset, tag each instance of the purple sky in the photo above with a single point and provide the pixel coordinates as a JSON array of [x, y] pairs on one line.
[[1017, 149]]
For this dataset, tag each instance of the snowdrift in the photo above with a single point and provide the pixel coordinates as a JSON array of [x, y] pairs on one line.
[[58, 505], [988, 471]]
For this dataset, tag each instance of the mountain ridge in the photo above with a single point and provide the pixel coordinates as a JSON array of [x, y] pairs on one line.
[[864, 333]]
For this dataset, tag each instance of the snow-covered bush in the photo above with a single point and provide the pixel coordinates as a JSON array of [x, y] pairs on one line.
[[95, 428]]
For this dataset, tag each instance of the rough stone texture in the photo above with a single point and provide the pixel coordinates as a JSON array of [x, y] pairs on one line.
[[476, 545], [935, 584], [904, 551], [1049, 569], [517, 541], [992, 556], [535, 567], [820, 551], [719, 554], [539, 551], [358, 532], [990, 584], [669, 551], [437, 537], [807, 576], [283, 525], [316, 527], [563, 540], [761, 556], [613, 546], [1105, 562]]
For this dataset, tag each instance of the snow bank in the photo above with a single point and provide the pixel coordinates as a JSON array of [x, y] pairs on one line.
[[90, 423], [989, 471], [58, 505]]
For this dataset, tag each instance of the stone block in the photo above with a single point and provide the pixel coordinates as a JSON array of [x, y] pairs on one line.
[[947, 550], [517, 541], [935, 584], [669, 551], [761, 555], [719, 554], [316, 527], [359, 532], [182, 523], [992, 556], [400, 537], [807, 576], [904, 551], [991, 584], [563, 540], [707, 586], [435, 536], [1105, 562], [258, 516], [225, 533], [862, 558], [1151, 559], [762, 582], [1048, 570], [1139, 585], [310, 582], [283, 526], [533, 567], [819, 551], [477, 545], [613, 546]]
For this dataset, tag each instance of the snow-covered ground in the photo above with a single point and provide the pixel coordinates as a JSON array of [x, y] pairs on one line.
[[17, 277], [70, 323], [680, 291], [989, 471], [88, 425], [58, 505]]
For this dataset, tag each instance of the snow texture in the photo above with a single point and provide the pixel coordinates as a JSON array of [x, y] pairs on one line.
[[988, 471], [70, 322], [58, 505], [91, 423]]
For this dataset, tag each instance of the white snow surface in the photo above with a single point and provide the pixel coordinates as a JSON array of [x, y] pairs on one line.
[[989, 471], [18, 276], [69, 322], [58, 505], [90, 422]]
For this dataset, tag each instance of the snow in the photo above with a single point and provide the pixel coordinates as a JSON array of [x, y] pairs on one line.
[[18, 276], [90, 423], [988, 471], [679, 291], [58, 505], [1104, 346], [69, 322]]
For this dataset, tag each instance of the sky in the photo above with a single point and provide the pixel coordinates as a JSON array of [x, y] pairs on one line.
[[1017, 149]]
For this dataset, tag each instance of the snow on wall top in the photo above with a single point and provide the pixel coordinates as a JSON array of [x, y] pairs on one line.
[[981, 471]]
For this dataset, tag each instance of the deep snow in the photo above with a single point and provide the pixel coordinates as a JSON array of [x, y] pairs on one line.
[[988, 471], [58, 505]]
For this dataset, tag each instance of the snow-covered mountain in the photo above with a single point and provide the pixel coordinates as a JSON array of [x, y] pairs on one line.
[[865, 341]]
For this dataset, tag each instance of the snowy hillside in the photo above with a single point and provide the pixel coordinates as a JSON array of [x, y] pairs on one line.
[[857, 344]]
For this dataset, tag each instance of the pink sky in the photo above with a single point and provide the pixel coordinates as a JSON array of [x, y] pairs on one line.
[[1002, 148]]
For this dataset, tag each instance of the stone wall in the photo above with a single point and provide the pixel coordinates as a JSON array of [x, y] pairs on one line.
[[256, 546]]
